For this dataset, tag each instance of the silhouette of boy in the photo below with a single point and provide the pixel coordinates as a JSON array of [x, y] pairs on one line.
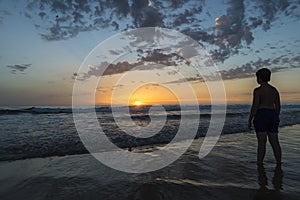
[[265, 111]]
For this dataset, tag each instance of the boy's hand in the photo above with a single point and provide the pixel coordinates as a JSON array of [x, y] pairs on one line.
[[249, 124]]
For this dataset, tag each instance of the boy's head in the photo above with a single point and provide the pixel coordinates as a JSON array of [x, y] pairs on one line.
[[264, 75]]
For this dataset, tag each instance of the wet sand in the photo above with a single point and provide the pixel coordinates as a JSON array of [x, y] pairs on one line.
[[228, 172]]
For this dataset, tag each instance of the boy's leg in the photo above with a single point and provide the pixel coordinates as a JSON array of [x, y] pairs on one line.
[[261, 146], [274, 141]]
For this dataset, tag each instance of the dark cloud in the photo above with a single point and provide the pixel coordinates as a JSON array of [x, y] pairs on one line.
[[175, 4], [247, 70], [3, 14], [188, 16], [144, 15], [159, 57], [255, 22], [65, 19], [270, 9], [196, 79], [117, 68], [148, 60], [278, 64], [18, 68], [238, 72], [199, 35], [232, 30], [115, 52]]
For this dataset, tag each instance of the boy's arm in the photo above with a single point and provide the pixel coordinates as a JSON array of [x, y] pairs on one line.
[[277, 103], [254, 107]]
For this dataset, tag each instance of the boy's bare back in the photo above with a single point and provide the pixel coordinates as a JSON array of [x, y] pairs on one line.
[[266, 96]]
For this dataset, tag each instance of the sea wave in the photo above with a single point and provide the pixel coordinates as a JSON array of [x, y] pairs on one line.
[[27, 133]]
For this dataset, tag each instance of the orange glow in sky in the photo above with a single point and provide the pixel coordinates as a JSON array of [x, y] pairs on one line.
[[151, 94], [238, 91]]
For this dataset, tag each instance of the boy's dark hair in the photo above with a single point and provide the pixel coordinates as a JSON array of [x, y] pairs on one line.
[[264, 74]]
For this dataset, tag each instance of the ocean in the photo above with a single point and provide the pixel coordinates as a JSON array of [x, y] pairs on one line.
[[42, 157]]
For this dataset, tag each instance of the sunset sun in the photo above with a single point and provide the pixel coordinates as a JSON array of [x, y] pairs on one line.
[[137, 103]]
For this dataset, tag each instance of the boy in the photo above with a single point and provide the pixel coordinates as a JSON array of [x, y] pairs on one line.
[[265, 111]]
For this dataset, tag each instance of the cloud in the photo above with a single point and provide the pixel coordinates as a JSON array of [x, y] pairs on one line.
[[144, 15], [148, 60], [19, 68], [247, 70], [3, 14], [196, 79], [232, 30], [60, 20], [277, 64], [115, 52], [188, 16], [270, 9]]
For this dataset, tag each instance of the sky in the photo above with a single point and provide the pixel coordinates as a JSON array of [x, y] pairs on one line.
[[44, 43]]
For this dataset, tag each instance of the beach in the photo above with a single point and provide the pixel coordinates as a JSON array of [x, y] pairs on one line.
[[148, 99], [228, 172]]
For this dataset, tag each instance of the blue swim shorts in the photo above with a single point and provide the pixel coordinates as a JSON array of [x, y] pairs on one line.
[[266, 120]]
